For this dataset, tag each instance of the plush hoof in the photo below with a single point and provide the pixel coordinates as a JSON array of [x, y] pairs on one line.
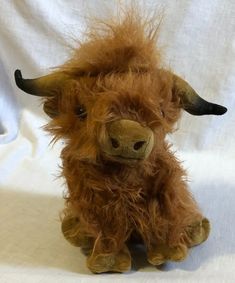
[[162, 253], [178, 253], [73, 233], [119, 262], [156, 258], [198, 232]]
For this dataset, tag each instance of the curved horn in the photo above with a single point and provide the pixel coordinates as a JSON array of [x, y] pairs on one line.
[[42, 86], [192, 102]]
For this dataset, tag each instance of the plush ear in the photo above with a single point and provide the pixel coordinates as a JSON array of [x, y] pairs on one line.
[[192, 102], [48, 87], [51, 105]]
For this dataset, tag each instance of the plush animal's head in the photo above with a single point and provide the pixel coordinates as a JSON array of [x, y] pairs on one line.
[[112, 100]]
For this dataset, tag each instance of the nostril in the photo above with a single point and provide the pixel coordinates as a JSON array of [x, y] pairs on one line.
[[114, 143], [138, 145]]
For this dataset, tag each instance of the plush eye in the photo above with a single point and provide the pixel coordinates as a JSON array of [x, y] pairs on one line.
[[80, 112], [163, 113]]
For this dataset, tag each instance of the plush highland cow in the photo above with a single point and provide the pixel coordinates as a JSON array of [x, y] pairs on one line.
[[113, 104]]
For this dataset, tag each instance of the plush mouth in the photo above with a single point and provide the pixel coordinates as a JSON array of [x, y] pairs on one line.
[[123, 159]]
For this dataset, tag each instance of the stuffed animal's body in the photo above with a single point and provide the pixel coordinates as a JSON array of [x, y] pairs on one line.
[[113, 105]]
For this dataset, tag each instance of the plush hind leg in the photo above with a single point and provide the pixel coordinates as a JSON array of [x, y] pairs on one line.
[[196, 234]]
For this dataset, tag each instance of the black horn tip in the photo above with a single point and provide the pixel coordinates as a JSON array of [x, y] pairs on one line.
[[18, 78], [219, 109], [18, 74], [205, 108], [24, 84]]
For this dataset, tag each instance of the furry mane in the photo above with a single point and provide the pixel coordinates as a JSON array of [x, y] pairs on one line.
[[118, 45]]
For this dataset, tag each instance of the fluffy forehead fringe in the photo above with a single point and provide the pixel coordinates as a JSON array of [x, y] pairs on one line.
[[126, 42]]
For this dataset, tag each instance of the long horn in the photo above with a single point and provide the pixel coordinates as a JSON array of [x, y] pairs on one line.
[[192, 102], [42, 86]]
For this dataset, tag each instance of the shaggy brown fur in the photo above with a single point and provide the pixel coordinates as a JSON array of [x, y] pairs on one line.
[[117, 75], [121, 79]]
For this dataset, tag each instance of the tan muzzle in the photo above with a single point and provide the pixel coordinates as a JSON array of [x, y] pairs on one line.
[[127, 140]]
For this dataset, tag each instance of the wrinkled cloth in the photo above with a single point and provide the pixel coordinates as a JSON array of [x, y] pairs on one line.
[[198, 40]]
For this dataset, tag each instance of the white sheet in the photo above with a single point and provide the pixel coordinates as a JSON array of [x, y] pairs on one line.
[[199, 43]]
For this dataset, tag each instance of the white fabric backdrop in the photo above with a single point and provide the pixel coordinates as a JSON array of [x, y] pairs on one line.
[[198, 38]]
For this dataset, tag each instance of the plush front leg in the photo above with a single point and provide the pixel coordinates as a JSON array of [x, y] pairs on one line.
[[102, 261], [175, 219], [161, 253]]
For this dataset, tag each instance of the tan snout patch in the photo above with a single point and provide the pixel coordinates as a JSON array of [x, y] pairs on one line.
[[128, 140]]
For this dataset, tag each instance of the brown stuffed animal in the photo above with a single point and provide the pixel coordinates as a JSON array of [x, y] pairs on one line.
[[113, 105]]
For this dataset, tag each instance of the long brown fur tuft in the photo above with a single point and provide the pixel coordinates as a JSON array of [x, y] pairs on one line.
[[127, 43]]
